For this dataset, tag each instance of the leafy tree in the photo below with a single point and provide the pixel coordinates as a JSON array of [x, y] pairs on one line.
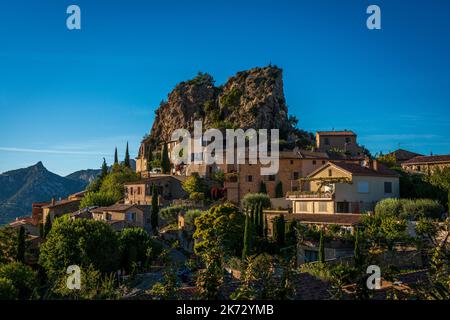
[[279, 190], [193, 184], [291, 236], [126, 161], [165, 162], [8, 244], [133, 246], [223, 226], [168, 288], [116, 158], [7, 290], [210, 279], [321, 247], [111, 189], [155, 209], [82, 242], [21, 238], [94, 286], [170, 214], [22, 277], [262, 187], [358, 256]]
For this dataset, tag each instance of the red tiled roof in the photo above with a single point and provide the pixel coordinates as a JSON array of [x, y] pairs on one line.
[[336, 133], [359, 170], [118, 207], [428, 159], [402, 154], [61, 203]]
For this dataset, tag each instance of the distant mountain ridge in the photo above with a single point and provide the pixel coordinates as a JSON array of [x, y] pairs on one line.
[[87, 175], [20, 188]]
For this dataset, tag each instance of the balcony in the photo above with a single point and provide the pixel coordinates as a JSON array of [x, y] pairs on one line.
[[293, 195]]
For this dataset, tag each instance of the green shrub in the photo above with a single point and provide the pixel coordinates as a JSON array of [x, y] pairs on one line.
[[7, 290], [409, 208], [252, 199], [22, 278], [170, 214]]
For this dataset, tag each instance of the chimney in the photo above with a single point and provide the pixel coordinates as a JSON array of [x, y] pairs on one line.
[[375, 165], [53, 201]]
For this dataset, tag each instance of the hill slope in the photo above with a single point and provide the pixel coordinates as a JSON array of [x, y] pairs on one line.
[[20, 188]]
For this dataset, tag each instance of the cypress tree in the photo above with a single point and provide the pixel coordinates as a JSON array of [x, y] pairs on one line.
[[165, 162], [357, 254], [321, 247], [116, 158], [247, 237], [21, 245], [262, 187], [104, 170], [47, 226], [260, 220], [126, 162], [266, 227], [279, 230], [252, 214], [155, 209], [41, 230]]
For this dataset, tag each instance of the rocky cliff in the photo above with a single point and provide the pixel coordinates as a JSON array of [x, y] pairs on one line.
[[251, 99]]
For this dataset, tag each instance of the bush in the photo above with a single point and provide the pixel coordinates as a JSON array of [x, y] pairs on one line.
[[7, 290], [22, 278], [409, 208], [170, 214], [252, 199], [197, 196]]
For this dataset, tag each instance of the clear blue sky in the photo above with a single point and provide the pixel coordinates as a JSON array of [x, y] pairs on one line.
[[68, 98]]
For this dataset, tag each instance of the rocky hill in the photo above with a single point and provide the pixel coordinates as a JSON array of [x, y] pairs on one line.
[[86, 176], [250, 99], [20, 188]]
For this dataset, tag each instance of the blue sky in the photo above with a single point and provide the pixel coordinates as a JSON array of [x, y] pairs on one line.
[[68, 98]]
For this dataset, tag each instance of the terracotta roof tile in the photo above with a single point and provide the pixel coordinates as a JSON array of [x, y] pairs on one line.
[[428, 159]]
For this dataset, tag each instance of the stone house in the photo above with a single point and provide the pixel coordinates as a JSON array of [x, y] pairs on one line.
[[426, 164]]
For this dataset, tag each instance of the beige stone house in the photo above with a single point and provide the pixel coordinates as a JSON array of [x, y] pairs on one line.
[[120, 216], [59, 208], [344, 141], [426, 164], [169, 187], [345, 188]]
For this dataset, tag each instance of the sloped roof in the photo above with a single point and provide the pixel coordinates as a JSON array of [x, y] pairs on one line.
[[118, 207], [337, 133], [61, 203], [359, 170], [401, 154], [428, 159]]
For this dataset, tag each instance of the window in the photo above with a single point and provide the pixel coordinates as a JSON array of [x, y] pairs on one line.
[[323, 161], [131, 216], [303, 206], [295, 175], [108, 217], [292, 161], [347, 140], [311, 256], [271, 177], [363, 187], [131, 190], [388, 187], [330, 172], [314, 162], [248, 178], [322, 206], [139, 190], [327, 141], [342, 207]]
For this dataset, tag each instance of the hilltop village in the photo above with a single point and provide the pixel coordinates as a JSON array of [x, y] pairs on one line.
[[224, 231]]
